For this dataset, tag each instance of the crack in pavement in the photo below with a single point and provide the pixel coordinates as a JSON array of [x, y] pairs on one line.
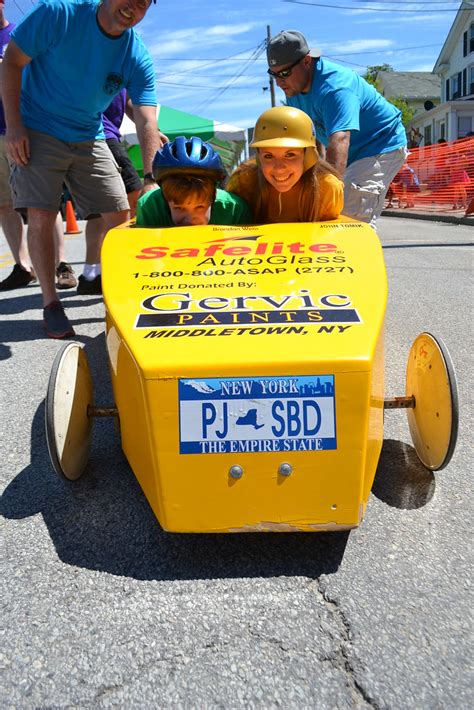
[[177, 660], [341, 659]]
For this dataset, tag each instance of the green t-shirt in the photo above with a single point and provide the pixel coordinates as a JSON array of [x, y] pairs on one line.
[[153, 210]]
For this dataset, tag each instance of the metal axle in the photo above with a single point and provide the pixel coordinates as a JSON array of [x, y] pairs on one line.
[[101, 411], [399, 403]]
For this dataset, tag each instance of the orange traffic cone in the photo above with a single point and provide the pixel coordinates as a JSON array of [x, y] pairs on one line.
[[71, 222]]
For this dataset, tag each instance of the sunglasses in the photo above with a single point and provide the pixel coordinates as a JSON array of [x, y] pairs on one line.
[[284, 73]]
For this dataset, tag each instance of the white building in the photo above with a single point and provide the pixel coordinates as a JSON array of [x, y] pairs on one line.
[[453, 118]]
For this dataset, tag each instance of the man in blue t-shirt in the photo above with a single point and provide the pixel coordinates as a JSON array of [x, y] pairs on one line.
[[11, 222], [66, 61], [362, 132]]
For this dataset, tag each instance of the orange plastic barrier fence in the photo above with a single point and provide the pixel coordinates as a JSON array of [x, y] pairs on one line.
[[436, 178]]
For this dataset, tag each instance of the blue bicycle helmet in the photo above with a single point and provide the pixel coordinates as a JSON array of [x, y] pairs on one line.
[[189, 155]]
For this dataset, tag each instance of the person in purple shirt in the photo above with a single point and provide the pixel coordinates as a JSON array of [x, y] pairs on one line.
[[112, 120], [90, 282]]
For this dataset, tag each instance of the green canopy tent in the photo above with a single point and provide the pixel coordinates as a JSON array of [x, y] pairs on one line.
[[228, 140]]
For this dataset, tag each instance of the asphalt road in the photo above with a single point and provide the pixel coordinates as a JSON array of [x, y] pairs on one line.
[[101, 608]]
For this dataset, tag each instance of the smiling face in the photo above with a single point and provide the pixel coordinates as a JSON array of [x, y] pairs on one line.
[[190, 212], [117, 16], [281, 167]]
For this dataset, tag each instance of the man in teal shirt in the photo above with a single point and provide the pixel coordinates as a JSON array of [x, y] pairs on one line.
[[187, 171], [362, 132], [63, 66]]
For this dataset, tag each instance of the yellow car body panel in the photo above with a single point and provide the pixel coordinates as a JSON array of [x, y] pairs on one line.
[[247, 368]]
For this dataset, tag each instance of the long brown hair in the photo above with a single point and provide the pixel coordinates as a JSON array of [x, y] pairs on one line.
[[308, 199]]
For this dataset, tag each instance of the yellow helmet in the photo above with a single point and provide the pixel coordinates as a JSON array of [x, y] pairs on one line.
[[286, 127]]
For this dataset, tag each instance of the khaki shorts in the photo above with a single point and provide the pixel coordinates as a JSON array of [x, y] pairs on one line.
[[366, 182], [5, 191], [88, 168]]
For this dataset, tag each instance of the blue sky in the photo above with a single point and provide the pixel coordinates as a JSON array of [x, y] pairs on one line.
[[205, 52]]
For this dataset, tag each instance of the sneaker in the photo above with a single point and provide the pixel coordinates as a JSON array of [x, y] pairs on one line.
[[56, 322], [18, 278], [65, 276], [89, 288]]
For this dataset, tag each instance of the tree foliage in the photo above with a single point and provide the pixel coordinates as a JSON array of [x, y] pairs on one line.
[[407, 111], [371, 74], [371, 78]]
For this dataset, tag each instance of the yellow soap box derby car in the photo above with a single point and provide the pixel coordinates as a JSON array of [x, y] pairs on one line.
[[247, 367]]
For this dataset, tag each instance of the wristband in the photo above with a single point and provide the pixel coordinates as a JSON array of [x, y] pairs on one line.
[[149, 176]]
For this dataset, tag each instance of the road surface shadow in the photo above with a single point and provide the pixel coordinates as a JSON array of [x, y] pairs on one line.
[[27, 328], [103, 521], [5, 351], [401, 480]]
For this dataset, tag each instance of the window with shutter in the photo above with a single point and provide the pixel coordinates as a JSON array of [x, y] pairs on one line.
[[455, 85]]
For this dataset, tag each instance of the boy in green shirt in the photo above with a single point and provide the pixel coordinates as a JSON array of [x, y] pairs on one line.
[[187, 170]]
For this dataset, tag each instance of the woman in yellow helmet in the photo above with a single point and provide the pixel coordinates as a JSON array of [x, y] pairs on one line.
[[288, 182]]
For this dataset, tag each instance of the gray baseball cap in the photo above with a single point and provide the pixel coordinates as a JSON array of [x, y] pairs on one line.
[[287, 47]]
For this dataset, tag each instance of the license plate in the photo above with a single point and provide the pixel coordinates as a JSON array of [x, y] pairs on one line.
[[257, 414]]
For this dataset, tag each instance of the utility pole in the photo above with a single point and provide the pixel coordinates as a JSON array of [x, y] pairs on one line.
[[271, 81]]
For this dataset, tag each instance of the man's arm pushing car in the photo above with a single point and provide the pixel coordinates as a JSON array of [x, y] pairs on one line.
[[16, 138], [338, 150], [150, 140]]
